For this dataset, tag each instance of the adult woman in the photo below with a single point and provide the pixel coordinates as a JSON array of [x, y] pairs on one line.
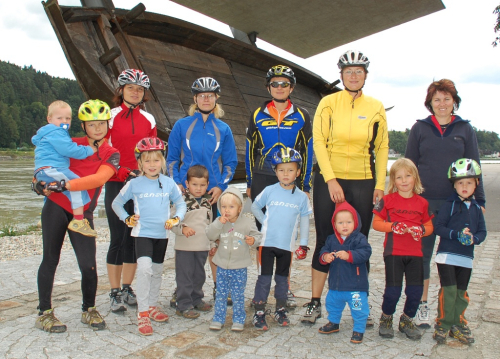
[[129, 124], [94, 171], [433, 145], [349, 130], [203, 139]]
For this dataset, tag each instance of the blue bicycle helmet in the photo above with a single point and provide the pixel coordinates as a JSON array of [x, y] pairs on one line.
[[286, 155]]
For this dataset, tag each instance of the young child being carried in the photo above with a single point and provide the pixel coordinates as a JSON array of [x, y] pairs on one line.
[[54, 148], [405, 217], [286, 207], [192, 245], [235, 234], [460, 225], [348, 251], [152, 193]]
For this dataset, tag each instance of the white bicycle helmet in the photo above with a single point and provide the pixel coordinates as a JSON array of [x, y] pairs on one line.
[[353, 58], [205, 84], [133, 76]]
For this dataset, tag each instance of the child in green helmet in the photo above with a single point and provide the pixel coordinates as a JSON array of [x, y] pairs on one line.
[[460, 225]]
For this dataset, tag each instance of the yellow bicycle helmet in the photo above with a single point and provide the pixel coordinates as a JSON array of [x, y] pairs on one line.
[[94, 110]]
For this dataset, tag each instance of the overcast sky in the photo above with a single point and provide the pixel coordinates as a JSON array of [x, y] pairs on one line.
[[454, 43]]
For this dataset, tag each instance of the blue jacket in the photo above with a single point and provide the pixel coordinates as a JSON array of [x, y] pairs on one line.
[[54, 147], [211, 144], [433, 154], [454, 216], [346, 275]]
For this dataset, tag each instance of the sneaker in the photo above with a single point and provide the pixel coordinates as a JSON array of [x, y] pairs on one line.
[[157, 314], [259, 320], [440, 335], [422, 318], [385, 329], [144, 324], [48, 322], [93, 319], [203, 306], [465, 330], [82, 226], [281, 318], [313, 312], [329, 328], [290, 300], [356, 338], [188, 313], [129, 296], [407, 326], [237, 327], [215, 326], [116, 300], [456, 333], [173, 301]]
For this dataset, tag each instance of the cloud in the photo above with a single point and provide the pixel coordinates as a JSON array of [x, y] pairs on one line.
[[31, 21]]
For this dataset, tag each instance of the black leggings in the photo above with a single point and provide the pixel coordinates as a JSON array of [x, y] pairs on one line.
[[55, 222], [358, 193], [121, 245]]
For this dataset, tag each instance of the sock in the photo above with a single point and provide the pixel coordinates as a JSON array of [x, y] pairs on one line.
[[317, 300], [125, 286], [78, 217]]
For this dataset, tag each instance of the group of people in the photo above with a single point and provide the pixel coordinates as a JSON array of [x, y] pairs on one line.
[[349, 138]]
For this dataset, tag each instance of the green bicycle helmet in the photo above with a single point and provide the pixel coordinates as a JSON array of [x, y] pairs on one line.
[[464, 168]]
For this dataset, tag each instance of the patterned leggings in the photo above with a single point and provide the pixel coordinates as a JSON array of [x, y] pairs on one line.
[[234, 281]]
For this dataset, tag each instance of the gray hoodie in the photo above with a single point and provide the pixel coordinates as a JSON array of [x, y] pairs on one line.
[[233, 252]]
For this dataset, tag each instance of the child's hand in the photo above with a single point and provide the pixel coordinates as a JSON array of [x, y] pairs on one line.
[[416, 232], [342, 255], [249, 240], [329, 257], [188, 231], [212, 251], [223, 219], [172, 222], [465, 237], [399, 227], [132, 220]]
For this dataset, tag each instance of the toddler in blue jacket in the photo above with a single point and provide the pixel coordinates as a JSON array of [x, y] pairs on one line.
[[347, 251]]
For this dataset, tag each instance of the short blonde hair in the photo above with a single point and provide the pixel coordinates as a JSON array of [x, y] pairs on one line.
[[217, 111], [55, 105], [228, 199], [407, 165], [152, 155]]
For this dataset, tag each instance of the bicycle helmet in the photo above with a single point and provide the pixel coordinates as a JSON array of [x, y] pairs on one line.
[[353, 58], [286, 155], [133, 76], [281, 71], [149, 144], [464, 168], [94, 110], [205, 84]]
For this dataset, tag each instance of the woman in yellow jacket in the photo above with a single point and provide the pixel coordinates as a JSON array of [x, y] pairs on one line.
[[351, 144]]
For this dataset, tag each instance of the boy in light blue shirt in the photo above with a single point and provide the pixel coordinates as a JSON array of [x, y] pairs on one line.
[[286, 206]]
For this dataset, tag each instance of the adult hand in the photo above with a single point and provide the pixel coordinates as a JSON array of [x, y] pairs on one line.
[[39, 187], [336, 192], [215, 193], [249, 192], [483, 209], [377, 195]]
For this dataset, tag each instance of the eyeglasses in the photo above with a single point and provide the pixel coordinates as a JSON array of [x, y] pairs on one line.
[[277, 84], [357, 72], [204, 96]]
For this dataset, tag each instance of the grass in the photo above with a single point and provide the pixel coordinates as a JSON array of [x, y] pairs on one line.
[[7, 230], [17, 153]]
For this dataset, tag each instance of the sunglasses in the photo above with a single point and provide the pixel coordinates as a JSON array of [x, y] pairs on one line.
[[276, 84]]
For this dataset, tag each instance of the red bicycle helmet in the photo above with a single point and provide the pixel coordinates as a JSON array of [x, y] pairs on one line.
[[133, 76], [149, 144]]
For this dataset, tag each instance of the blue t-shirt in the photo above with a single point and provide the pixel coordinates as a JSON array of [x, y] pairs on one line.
[[284, 210]]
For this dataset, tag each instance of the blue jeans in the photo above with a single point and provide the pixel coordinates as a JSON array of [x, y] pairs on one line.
[[234, 281]]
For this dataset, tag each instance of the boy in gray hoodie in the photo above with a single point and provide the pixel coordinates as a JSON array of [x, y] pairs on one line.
[[236, 234]]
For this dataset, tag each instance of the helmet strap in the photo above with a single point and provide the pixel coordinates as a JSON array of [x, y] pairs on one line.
[[281, 101]]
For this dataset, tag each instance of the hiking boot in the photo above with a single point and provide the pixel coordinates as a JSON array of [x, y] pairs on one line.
[[129, 297], [215, 326], [237, 327], [203, 306], [82, 226], [456, 333], [48, 322], [440, 335], [157, 314], [188, 313], [281, 318], [329, 328], [465, 330], [407, 326], [116, 301], [290, 300], [356, 338], [259, 320], [422, 318], [93, 319], [144, 324], [313, 312], [173, 301], [385, 329]]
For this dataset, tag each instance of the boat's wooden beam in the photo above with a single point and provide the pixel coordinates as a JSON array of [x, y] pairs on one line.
[[109, 55], [80, 14]]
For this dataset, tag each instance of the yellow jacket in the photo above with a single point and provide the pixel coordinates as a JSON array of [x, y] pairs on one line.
[[350, 138]]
